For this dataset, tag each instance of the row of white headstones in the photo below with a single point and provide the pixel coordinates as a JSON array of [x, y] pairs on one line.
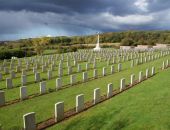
[[60, 68], [29, 118], [23, 89]]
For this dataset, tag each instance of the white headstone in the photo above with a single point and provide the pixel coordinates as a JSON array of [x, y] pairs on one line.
[[79, 102], [37, 77], [2, 98], [132, 79], [95, 73], [72, 79], [23, 80], [29, 121], [85, 76], [140, 76], [112, 69], [42, 87], [23, 92], [122, 84], [9, 83], [59, 111], [153, 71], [109, 90], [119, 67], [96, 95], [58, 83], [104, 71]]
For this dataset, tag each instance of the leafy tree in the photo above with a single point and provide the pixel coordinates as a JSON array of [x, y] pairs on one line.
[[39, 44], [127, 42]]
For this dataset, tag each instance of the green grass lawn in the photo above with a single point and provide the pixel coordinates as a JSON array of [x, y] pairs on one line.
[[144, 107], [33, 88], [11, 116]]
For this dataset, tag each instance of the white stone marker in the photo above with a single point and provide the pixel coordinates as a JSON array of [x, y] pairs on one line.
[[95, 73], [42, 87], [147, 73], [109, 90], [167, 63], [34, 70], [58, 83], [0, 76], [18, 69], [69, 70], [49, 74], [112, 69], [79, 68], [119, 67], [12, 74], [52, 67], [137, 61], [6, 70], [153, 71], [9, 83], [72, 79], [2, 98], [114, 60], [43, 68], [85, 76], [59, 111], [132, 63], [94, 65], [163, 65], [96, 95], [60, 72], [79, 102], [122, 84], [104, 71], [23, 80], [132, 79], [87, 66], [145, 60], [37, 77], [23, 72], [23, 92], [108, 62], [140, 76], [75, 63], [29, 121]]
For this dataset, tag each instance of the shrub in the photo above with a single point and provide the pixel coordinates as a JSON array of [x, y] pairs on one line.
[[7, 54]]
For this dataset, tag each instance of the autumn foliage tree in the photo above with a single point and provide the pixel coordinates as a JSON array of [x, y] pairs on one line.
[[39, 44]]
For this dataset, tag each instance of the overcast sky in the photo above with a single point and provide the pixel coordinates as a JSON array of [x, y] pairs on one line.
[[32, 18]]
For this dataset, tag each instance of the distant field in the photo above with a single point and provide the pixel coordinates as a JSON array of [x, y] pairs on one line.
[[52, 51]]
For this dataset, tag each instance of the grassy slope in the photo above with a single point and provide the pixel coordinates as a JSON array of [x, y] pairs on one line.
[[44, 105], [144, 107]]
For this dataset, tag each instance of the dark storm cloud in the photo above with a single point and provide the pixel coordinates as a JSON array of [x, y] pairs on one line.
[[24, 18], [158, 5], [69, 6]]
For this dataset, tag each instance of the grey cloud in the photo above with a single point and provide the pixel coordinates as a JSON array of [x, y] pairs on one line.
[[120, 7], [24, 18]]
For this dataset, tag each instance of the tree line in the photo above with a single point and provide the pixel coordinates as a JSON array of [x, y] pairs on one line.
[[65, 43]]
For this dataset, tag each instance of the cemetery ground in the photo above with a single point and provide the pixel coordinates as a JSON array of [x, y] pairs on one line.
[[143, 107]]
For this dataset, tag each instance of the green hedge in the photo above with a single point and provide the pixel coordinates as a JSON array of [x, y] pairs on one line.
[[62, 49], [7, 54]]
